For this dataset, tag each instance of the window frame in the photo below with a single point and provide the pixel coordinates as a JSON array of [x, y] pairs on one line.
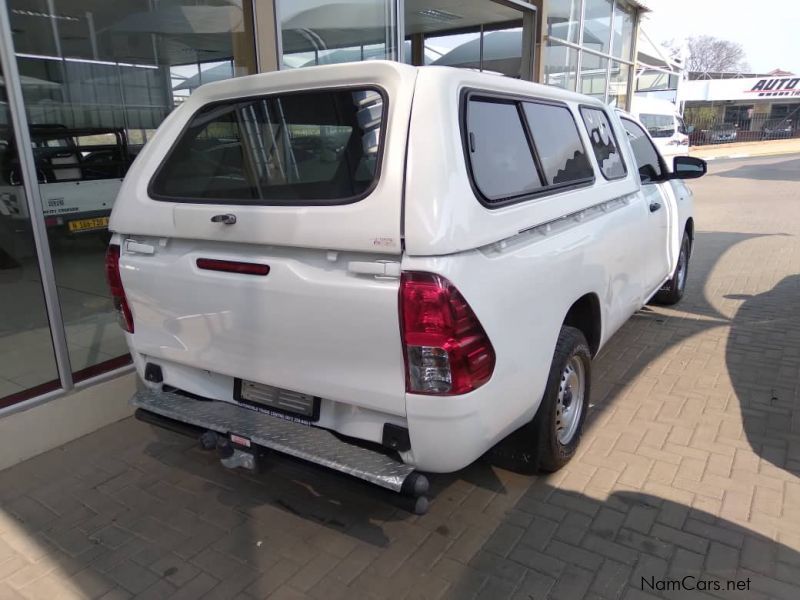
[[284, 202], [517, 100], [661, 162], [581, 108]]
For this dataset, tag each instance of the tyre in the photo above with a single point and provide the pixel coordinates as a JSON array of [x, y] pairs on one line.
[[558, 423], [673, 290], [549, 441]]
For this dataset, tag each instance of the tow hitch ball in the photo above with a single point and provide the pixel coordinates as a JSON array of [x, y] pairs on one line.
[[229, 456]]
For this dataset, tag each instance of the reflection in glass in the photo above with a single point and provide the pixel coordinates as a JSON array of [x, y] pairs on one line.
[[597, 25], [623, 31], [493, 51], [27, 363], [561, 66], [558, 144], [97, 80], [484, 36], [604, 143], [618, 84], [593, 75], [318, 145], [501, 159], [563, 19], [312, 31], [645, 153]]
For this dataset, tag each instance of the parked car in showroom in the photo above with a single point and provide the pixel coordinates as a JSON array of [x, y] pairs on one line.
[[777, 129], [403, 305]]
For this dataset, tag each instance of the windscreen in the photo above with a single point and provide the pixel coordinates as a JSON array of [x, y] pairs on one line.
[[658, 125], [313, 147]]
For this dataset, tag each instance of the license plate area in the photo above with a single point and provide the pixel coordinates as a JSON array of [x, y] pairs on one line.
[[88, 224], [279, 400]]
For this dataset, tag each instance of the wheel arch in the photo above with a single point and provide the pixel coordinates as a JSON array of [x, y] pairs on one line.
[[585, 315]]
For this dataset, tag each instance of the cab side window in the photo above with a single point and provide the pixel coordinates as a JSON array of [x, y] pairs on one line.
[[502, 159], [520, 149], [558, 144], [604, 144], [648, 161]]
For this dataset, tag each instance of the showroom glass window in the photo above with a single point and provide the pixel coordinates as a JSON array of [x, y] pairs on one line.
[[598, 60], [486, 35], [27, 363], [97, 80], [564, 20], [312, 33]]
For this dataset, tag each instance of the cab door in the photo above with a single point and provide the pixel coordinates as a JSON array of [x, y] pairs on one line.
[[658, 206]]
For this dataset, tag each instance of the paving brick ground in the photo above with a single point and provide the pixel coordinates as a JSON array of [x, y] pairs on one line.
[[689, 468]]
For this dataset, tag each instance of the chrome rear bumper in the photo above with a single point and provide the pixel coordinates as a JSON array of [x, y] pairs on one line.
[[309, 443]]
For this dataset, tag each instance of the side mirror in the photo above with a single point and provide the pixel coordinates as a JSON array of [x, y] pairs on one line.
[[690, 129], [688, 167]]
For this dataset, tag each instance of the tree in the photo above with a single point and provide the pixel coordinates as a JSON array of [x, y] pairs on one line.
[[708, 54]]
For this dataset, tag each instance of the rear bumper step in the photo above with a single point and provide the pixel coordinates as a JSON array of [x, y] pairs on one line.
[[312, 444]]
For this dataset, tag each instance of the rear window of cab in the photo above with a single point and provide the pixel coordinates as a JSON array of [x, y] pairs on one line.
[[300, 148], [520, 148]]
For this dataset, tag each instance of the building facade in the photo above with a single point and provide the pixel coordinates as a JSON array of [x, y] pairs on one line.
[[85, 83], [742, 108]]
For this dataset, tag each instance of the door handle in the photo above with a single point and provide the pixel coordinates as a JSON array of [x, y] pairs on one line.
[[654, 206], [227, 219]]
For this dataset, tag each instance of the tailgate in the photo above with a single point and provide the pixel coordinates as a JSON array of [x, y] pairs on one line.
[[310, 325]]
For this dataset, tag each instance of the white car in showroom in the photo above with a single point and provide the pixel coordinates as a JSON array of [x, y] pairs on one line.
[[388, 270]]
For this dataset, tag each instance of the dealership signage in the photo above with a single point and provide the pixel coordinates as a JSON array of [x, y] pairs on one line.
[[748, 88], [779, 86]]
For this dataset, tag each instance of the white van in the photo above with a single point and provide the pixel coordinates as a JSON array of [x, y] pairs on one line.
[[387, 269], [664, 124]]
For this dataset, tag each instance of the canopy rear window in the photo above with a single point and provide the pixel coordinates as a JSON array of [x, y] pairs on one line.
[[299, 148]]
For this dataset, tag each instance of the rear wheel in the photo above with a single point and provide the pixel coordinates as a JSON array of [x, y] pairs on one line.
[[673, 290], [549, 441], [558, 424]]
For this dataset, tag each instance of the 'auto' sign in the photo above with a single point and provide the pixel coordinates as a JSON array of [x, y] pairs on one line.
[[745, 88], [779, 86]]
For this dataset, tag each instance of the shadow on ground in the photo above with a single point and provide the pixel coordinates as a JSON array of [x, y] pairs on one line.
[[160, 518], [787, 170]]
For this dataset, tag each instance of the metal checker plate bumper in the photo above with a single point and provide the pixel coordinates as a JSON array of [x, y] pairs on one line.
[[313, 444]]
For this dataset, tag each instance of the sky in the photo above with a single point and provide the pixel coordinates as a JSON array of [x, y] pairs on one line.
[[766, 29]]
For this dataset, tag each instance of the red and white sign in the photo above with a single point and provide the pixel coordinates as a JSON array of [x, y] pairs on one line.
[[749, 88]]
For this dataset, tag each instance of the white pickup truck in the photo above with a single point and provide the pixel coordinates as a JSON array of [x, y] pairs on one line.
[[386, 269]]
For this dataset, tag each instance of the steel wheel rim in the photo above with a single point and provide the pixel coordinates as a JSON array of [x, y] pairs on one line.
[[569, 404]]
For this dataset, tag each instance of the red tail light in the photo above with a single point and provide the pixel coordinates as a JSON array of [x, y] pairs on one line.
[[447, 352], [117, 291]]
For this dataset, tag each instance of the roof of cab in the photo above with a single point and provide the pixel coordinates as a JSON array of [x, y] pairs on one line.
[[367, 71]]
